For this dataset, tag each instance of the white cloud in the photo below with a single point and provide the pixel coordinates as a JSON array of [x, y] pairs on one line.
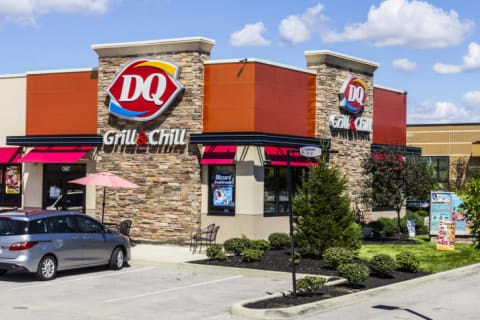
[[471, 100], [440, 112], [414, 24], [250, 35], [25, 12], [298, 28], [404, 65], [471, 61]]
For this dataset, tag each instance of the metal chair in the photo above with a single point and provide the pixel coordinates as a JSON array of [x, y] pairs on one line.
[[199, 235], [124, 227], [208, 238]]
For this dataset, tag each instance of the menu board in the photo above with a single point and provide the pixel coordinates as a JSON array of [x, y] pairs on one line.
[[445, 207], [446, 236], [12, 180]]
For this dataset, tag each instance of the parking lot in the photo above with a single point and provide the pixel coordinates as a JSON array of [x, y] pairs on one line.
[[137, 292]]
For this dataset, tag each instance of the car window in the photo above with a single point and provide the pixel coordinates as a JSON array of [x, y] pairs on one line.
[[37, 226], [87, 225], [10, 227], [61, 224]]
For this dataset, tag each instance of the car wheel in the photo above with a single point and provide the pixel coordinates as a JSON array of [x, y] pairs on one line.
[[47, 269], [2, 272], [117, 260]]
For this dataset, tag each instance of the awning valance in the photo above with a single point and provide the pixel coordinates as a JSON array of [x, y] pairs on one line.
[[10, 155], [278, 157], [56, 154], [218, 155]]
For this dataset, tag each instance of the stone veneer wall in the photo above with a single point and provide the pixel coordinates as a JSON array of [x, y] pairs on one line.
[[352, 148], [166, 207]]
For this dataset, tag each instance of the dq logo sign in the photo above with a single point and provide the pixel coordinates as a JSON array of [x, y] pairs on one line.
[[352, 95], [144, 89]]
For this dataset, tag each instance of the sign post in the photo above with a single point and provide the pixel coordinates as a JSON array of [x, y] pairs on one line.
[[308, 152]]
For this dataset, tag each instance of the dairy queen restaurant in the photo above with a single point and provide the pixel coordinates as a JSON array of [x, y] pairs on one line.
[[206, 140]]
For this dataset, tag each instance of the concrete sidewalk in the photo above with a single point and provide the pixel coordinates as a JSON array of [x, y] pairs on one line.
[[165, 253]]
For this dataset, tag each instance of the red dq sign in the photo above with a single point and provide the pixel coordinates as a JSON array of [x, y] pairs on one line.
[[144, 89]]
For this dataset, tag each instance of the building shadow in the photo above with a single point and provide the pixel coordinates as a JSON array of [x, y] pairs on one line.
[[391, 308]]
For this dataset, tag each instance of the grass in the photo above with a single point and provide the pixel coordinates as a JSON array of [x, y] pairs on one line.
[[431, 260]]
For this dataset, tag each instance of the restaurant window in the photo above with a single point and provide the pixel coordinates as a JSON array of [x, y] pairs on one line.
[[11, 185], [440, 166], [275, 192], [221, 190]]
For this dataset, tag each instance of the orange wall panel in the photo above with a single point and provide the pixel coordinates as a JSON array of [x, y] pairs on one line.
[[229, 98], [62, 103], [255, 97]]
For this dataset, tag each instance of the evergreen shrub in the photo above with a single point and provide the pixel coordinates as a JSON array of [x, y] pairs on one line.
[[236, 245], [296, 256], [355, 273], [322, 213], [407, 261], [383, 264], [250, 255], [310, 285], [279, 240], [259, 244], [336, 256], [216, 253]]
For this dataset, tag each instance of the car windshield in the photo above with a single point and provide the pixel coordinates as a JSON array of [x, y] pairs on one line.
[[10, 227]]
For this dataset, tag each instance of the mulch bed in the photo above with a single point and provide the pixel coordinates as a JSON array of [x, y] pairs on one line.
[[277, 260]]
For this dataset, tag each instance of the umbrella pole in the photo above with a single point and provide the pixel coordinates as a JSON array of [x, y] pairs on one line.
[[103, 207]]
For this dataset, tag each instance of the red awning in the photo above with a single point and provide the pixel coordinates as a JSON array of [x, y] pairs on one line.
[[10, 155], [56, 154], [278, 157], [218, 155]]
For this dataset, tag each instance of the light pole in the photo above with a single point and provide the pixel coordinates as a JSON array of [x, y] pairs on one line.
[[290, 213]]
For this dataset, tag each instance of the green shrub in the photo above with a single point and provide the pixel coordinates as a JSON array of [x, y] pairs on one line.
[[216, 253], [418, 219], [322, 212], [384, 226], [336, 256], [236, 245], [279, 240], [422, 213], [407, 261], [310, 285], [383, 264], [355, 273], [250, 255], [259, 244], [297, 257]]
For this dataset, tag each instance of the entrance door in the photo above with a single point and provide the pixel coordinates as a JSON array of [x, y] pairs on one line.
[[58, 193]]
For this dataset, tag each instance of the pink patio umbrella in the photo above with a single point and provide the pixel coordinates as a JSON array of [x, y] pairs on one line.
[[105, 179]]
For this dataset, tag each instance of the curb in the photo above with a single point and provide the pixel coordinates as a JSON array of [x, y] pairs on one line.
[[238, 309]]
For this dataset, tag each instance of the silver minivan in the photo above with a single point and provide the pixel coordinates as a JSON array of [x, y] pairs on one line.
[[45, 242]]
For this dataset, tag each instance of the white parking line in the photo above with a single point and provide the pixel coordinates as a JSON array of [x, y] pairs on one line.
[[110, 274], [171, 289]]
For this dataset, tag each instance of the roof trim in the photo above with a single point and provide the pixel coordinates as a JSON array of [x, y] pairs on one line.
[[318, 57], [13, 75], [55, 140], [61, 71], [389, 89], [443, 124], [154, 46], [262, 61]]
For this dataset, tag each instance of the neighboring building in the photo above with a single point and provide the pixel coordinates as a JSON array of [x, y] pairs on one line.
[[206, 140], [446, 146]]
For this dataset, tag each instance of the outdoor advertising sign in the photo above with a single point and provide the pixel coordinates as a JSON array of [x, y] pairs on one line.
[[223, 189], [411, 228], [445, 207], [446, 236]]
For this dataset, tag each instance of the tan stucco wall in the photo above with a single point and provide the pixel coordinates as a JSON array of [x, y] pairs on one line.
[[32, 185], [13, 93]]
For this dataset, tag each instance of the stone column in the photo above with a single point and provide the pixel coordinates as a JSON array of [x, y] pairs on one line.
[[166, 207], [332, 70]]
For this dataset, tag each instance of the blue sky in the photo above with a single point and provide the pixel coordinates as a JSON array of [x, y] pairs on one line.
[[431, 49]]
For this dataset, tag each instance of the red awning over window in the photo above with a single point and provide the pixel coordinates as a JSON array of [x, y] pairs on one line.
[[10, 155], [278, 157], [56, 154], [218, 155]]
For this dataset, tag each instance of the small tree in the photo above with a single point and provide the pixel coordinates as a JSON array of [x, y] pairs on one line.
[[322, 213], [386, 180], [471, 204], [420, 180]]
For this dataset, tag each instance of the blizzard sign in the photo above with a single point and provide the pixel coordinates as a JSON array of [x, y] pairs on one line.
[[144, 89], [352, 95]]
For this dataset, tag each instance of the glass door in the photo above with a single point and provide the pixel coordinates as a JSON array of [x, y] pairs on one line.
[[58, 193]]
